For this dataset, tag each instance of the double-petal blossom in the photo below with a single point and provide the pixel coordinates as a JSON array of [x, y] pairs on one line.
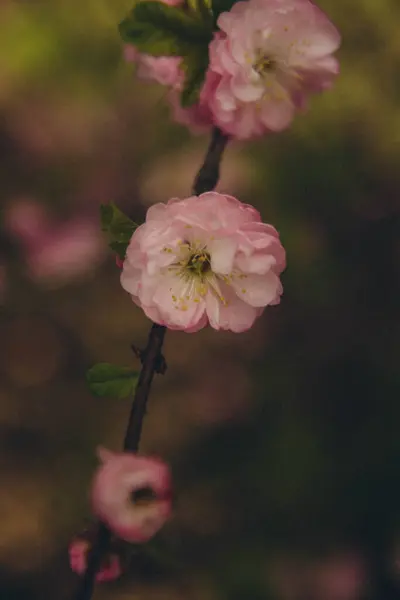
[[202, 260], [116, 490]]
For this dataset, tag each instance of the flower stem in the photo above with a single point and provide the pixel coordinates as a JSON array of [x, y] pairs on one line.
[[98, 550], [152, 362], [208, 175]]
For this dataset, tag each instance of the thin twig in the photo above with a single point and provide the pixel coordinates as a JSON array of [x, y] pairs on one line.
[[152, 362], [98, 550], [152, 357], [208, 175]]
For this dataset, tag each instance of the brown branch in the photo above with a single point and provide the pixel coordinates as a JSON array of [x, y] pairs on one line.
[[152, 362], [97, 551], [208, 175]]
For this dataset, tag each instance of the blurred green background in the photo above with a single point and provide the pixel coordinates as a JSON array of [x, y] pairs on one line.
[[284, 441]]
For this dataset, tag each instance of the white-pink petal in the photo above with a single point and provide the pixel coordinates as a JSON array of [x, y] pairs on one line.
[[277, 114], [247, 87], [222, 255], [258, 290], [236, 315]]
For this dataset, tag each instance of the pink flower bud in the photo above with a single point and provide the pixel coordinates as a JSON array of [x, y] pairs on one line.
[[78, 556], [115, 495]]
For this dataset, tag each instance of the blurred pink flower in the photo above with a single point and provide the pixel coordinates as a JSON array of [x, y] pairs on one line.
[[67, 252], [26, 220], [206, 259], [58, 252], [78, 555], [270, 55], [117, 480], [162, 69], [341, 577], [130, 53]]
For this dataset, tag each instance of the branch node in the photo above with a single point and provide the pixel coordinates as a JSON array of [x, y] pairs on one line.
[[160, 365]]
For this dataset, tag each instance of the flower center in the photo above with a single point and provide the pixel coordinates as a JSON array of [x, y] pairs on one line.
[[264, 65], [143, 497], [199, 263], [193, 270]]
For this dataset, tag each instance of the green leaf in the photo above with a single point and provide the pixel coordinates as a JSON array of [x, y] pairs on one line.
[[105, 379], [116, 223], [195, 66], [119, 227], [162, 30], [203, 9]]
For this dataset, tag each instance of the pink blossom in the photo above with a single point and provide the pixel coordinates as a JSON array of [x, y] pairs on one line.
[[67, 251], [117, 479], [130, 53], [206, 259], [54, 252], [26, 220], [269, 56], [78, 556], [341, 577], [161, 69]]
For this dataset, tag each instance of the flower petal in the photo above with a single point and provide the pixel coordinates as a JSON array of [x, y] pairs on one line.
[[222, 254], [277, 114], [258, 290], [236, 315]]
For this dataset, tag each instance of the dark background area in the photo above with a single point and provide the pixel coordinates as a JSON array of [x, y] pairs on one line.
[[284, 441]]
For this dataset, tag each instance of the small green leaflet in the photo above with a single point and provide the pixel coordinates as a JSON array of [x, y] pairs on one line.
[[195, 66], [116, 223], [203, 9], [119, 227], [162, 30], [105, 379]]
